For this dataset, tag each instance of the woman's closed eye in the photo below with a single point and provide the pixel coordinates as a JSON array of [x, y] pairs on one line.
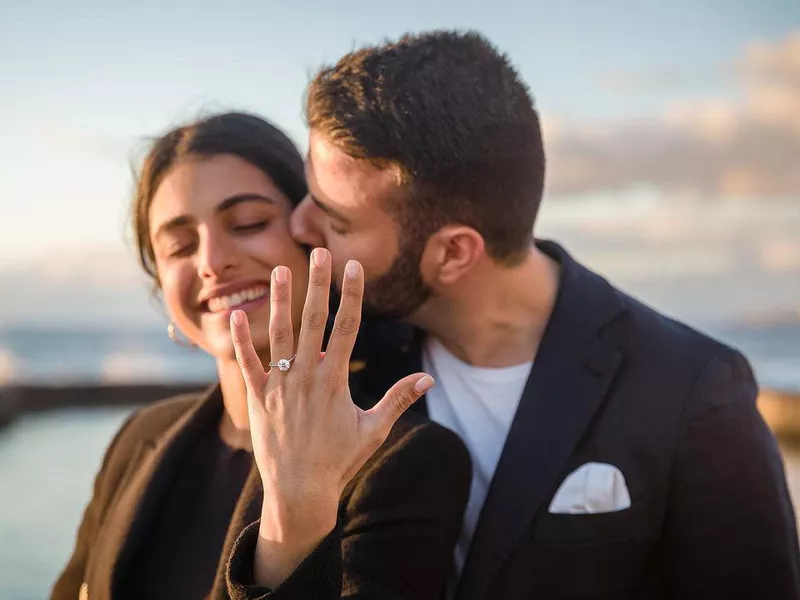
[[253, 226], [182, 248], [178, 250]]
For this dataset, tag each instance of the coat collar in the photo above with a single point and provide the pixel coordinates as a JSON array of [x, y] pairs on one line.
[[154, 464]]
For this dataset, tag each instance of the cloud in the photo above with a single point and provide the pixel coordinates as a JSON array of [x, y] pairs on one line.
[[82, 286], [781, 255], [701, 261], [705, 261], [723, 147], [662, 78]]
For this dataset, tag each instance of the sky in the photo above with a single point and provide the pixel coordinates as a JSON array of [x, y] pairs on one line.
[[683, 102]]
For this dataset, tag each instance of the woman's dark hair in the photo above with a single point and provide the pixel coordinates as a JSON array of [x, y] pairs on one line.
[[247, 136]]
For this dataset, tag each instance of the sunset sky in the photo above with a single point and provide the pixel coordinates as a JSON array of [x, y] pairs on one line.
[[666, 107]]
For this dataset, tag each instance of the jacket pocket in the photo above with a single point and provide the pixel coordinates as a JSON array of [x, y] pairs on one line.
[[628, 524]]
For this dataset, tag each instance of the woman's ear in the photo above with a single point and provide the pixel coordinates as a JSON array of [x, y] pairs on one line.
[[157, 298], [451, 253]]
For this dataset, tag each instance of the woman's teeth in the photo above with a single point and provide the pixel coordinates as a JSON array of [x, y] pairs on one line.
[[222, 303]]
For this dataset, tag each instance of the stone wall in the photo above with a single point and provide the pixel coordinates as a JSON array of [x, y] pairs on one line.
[[781, 410]]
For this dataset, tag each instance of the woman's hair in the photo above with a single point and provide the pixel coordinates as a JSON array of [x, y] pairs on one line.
[[247, 136]]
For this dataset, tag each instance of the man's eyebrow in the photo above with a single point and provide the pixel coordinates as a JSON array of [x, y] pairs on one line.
[[327, 209]]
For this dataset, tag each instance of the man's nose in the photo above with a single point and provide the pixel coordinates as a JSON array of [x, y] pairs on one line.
[[304, 224]]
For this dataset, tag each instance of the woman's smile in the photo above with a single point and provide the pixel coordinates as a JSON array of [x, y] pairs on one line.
[[243, 295]]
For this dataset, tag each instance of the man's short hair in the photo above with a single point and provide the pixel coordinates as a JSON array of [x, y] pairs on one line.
[[451, 115]]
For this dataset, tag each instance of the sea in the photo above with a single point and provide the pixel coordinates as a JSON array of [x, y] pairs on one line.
[[55, 356], [108, 355], [48, 460]]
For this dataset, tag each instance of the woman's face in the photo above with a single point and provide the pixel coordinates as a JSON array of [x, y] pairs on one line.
[[218, 227]]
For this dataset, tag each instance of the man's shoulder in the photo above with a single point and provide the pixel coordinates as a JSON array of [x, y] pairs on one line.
[[634, 327], [646, 331]]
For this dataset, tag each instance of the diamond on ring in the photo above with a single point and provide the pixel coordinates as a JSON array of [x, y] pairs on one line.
[[283, 364]]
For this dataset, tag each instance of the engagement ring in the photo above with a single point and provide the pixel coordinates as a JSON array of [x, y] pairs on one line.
[[283, 364]]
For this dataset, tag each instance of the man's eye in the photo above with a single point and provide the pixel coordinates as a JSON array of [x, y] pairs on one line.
[[338, 230]]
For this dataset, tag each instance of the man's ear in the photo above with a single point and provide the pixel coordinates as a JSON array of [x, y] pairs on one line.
[[451, 253]]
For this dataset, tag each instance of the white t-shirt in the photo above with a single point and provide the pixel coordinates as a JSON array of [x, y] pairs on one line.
[[479, 404]]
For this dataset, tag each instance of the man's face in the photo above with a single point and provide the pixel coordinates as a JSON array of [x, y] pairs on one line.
[[345, 213]]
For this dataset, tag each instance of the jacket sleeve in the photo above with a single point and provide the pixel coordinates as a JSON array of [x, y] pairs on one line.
[[68, 584], [730, 529], [396, 532]]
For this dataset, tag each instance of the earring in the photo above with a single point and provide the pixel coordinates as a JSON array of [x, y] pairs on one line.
[[172, 333]]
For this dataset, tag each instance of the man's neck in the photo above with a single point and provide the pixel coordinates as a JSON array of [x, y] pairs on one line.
[[498, 318]]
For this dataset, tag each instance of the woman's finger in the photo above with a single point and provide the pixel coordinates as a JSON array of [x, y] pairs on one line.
[[246, 355], [281, 334], [315, 311], [381, 418], [348, 318]]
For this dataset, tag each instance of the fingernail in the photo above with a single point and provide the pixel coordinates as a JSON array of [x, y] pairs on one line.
[[238, 317], [423, 384], [352, 268], [281, 274], [319, 256]]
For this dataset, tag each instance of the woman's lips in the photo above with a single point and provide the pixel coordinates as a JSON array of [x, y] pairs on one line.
[[238, 299]]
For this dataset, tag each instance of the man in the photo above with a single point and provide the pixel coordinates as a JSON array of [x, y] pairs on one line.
[[617, 453]]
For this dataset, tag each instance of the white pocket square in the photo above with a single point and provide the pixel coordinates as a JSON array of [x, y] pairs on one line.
[[592, 488]]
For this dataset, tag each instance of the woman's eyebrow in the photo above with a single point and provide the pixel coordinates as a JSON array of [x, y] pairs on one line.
[[239, 198]]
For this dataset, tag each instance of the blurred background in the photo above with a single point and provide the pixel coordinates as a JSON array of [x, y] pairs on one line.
[[673, 137]]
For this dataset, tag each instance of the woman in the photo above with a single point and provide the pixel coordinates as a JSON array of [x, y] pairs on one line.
[[179, 482]]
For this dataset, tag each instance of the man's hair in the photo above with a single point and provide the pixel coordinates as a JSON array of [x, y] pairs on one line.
[[449, 112]]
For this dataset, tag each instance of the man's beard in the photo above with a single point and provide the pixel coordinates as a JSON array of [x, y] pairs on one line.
[[400, 291]]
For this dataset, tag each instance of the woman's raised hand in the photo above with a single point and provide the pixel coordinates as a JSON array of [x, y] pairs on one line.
[[309, 439]]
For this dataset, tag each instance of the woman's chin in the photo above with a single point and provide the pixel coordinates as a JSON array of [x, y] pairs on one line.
[[221, 345]]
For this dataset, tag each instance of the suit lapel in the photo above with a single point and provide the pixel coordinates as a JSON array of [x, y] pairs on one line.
[[130, 512], [572, 371]]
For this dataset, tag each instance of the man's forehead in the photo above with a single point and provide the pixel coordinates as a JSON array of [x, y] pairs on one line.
[[342, 179], [323, 152]]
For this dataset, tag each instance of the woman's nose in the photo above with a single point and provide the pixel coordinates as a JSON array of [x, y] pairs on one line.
[[215, 257]]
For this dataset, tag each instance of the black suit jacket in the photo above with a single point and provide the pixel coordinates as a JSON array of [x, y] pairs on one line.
[[615, 382], [398, 518]]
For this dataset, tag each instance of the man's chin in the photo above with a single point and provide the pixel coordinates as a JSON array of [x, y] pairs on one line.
[[383, 314]]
